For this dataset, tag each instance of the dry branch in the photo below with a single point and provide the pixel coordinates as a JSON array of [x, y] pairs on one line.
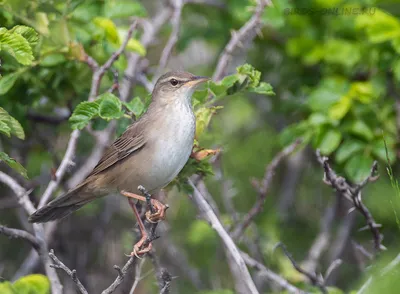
[[263, 189], [246, 32], [209, 215], [72, 273], [353, 194], [315, 279]]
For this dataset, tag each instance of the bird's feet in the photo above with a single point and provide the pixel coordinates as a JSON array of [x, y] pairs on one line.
[[159, 211], [137, 248]]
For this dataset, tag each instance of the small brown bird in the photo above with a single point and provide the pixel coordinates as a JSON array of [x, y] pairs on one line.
[[150, 153]]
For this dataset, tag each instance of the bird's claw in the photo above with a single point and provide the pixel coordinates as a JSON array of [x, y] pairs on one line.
[[159, 214], [138, 252]]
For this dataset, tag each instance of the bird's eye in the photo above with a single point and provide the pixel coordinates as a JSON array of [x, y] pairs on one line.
[[174, 82]]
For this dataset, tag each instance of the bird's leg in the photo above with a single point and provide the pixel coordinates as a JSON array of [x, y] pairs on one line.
[[156, 209], [137, 248]]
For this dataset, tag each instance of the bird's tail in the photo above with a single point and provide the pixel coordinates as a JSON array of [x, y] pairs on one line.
[[62, 206]]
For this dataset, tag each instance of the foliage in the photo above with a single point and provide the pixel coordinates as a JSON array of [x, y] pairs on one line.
[[335, 84], [31, 284]]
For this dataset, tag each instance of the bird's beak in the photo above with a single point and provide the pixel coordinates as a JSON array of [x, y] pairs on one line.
[[196, 81]]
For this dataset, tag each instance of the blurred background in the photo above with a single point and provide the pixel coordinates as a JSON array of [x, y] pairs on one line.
[[335, 69]]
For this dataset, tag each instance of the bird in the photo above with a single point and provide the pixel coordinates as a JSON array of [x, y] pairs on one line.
[[150, 153]]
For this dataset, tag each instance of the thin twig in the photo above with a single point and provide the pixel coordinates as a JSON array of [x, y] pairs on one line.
[[65, 163], [210, 216], [314, 278], [151, 29], [100, 71], [249, 29], [121, 274], [277, 279], [175, 21], [263, 190], [16, 233], [72, 273], [353, 194], [138, 271]]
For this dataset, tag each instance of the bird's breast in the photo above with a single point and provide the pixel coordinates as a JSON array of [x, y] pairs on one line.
[[173, 145]]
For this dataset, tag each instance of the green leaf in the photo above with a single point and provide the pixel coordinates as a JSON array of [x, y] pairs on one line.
[[203, 118], [5, 129], [330, 141], [32, 284], [380, 27], [358, 167], [136, 106], [263, 88], [7, 81], [328, 92], [13, 164], [6, 288], [360, 128], [317, 119], [339, 109], [83, 113], [347, 149], [135, 46], [293, 132], [110, 107], [17, 46], [28, 33], [337, 51], [109, 28], [9, 125], [229, 81], [53, 60], [250, 72]]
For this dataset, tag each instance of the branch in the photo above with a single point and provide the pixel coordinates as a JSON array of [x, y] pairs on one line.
[[175, 21], [248, 30], [315, 280], [20, 192], [121, 274], [263, 190], [100, 71], [353, 194], [150, 28], [65, 163], [16, 233], [210, 216], [72, 273], [277, 279]]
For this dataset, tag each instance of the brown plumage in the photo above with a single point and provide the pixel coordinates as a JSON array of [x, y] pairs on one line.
[[151, 152]]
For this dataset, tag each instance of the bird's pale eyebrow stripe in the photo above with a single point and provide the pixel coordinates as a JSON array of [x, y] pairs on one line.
[[176, 78]]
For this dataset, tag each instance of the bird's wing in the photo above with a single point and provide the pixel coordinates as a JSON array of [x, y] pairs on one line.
[[131, 141]]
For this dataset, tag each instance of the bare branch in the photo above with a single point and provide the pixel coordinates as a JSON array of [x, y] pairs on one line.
[[210, 216], [100, 71], [315, 280], [353, 194], [248, 30], [16, 233], [175, 21], [138, 272], [121, 274], [20, 192], [72, 273], [277, 279], [151, 28], [263, 190], [65, 163], [321, 241]]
